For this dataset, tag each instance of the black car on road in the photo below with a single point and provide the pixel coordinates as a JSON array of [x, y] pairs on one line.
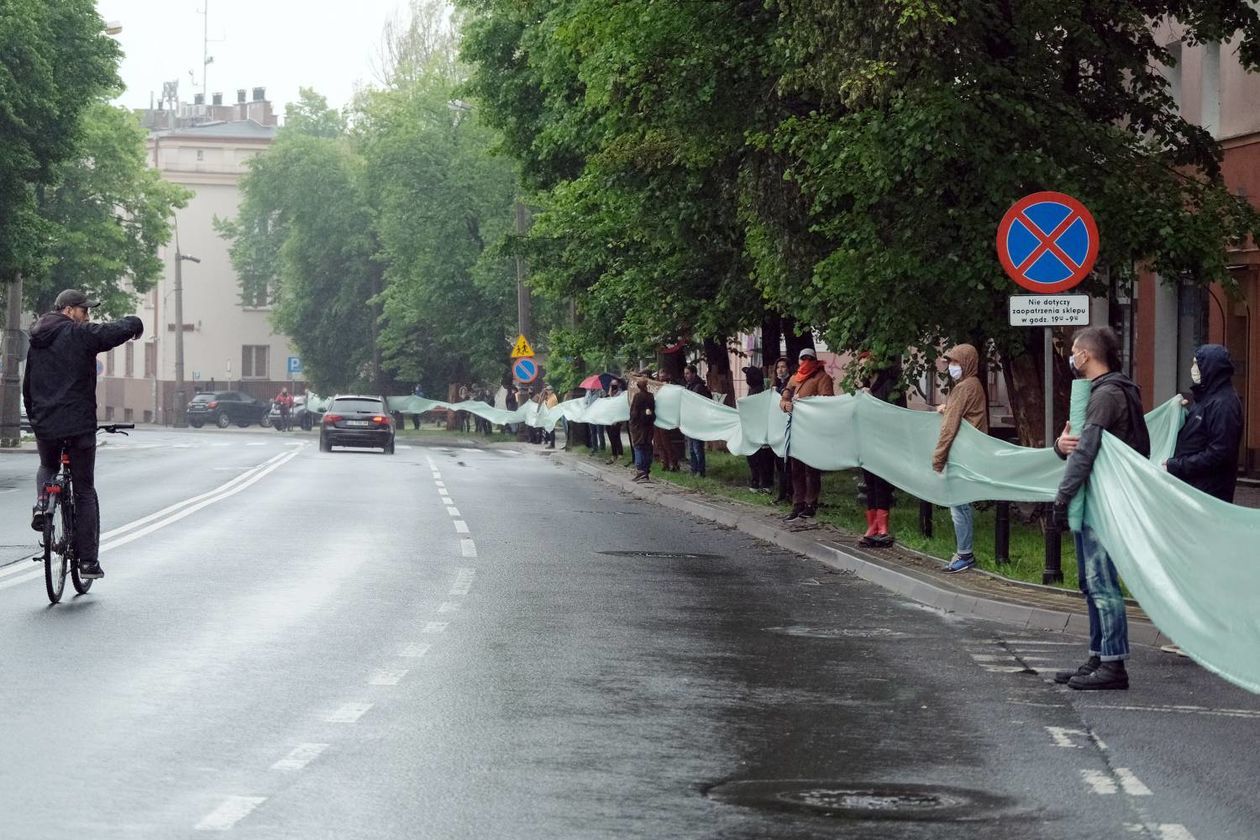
[[356, 420], [223, 408]]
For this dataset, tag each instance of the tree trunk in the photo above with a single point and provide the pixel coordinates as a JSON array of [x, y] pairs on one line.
[[673, 363], [1025, 387], [797, 339], [719, 377], [771, 338]]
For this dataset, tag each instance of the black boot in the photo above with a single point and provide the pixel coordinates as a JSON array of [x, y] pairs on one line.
[[1110, 676], [1085, 670]]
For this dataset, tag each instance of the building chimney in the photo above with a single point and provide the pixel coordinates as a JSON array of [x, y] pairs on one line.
[[216, 99], [260, 94], [240, 96], [199, 99]]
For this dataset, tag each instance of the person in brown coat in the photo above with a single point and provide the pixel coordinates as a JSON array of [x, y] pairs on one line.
[[966, 401], [811, 380], [664, 439], [642, 425]]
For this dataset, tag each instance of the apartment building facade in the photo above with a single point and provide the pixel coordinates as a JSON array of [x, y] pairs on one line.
[[229, 344]]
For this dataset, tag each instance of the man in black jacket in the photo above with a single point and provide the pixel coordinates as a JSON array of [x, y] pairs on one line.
[[1206, 456], [59, 390], [695, 447], [1115, 406]]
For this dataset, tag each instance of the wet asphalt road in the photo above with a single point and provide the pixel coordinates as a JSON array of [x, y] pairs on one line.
[[300, 645]]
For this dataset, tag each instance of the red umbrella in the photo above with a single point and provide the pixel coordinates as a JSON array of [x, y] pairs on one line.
[[591, 382]]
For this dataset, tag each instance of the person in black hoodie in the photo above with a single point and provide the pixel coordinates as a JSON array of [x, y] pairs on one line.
[[1115, 406], [59, 391], [1206, 456], [761, 462]]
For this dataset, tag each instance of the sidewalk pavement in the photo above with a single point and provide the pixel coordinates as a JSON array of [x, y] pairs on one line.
[[901, 570]]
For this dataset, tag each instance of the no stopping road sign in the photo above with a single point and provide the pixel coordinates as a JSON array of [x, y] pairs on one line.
[[1047, 242], [525, 370]]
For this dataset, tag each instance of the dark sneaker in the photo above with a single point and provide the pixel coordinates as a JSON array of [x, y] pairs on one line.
[[37, 518], [798, 512], [1062, 677], [1110, 676], [810, 512], [90, 570]]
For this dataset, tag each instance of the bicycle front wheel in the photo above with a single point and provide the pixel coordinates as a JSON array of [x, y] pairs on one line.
[[56, 547]]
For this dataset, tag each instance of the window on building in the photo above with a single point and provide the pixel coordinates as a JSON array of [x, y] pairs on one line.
[[109, 363], [254, 361], [150, 359], [129, 360]]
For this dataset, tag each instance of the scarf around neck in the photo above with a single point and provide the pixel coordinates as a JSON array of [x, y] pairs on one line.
[[807, 369]]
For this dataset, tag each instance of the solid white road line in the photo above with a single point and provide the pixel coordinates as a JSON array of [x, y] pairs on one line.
[[1182, 710], [468, 548], [387, 676], [302, 755], [349, 713], [415, 651], [461, 526], [173, 513], [233, 810]]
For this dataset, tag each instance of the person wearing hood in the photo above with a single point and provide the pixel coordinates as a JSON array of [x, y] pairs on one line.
[[59, 392], [1115, 406], [782, 466], [811, 380], [966, 401], [642, 424], [1206, 456], [761, 462]]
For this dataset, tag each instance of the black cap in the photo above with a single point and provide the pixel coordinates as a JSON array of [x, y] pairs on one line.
[[73, 297]]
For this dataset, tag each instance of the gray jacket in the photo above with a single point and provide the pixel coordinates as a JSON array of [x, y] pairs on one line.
[[1115, 405]]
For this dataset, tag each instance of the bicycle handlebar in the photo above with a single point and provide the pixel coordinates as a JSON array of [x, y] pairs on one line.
[[116, 428]]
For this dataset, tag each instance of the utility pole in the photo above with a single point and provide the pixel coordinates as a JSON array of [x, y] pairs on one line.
[[523, 307], [181, 402], [11, 421]]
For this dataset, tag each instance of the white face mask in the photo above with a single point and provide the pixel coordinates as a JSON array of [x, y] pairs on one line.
[[955, 371], [1195, 376]]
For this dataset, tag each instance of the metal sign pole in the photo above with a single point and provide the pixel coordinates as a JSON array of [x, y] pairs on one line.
[[1053, 572]]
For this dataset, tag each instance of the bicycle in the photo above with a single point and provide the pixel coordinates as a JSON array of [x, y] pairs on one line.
[[59, 526]]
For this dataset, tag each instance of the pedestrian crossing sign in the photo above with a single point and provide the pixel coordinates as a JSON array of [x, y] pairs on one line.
[[522, 350]]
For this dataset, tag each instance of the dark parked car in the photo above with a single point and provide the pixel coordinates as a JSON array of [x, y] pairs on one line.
[[223, 408], [355, 420], [306, 414]]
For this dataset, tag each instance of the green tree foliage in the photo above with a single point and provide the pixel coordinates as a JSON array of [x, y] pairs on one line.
[[303, 240], [444, 206], [106, 212], [55, 60]]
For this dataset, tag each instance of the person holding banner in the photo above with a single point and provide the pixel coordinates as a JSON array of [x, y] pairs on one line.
[[642, 425], [966, 401], [1115, 406], [811, 380]]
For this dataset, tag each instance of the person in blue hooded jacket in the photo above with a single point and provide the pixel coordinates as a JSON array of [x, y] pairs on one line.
[[1206, 456]]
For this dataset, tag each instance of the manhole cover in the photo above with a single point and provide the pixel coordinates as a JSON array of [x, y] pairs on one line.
[[663, 555], [838, 632], [843, 800]]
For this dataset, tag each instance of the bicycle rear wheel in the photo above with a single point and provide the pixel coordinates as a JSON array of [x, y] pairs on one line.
[[56, 546]]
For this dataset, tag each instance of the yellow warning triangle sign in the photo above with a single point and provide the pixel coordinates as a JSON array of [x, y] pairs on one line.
[[522, 349]]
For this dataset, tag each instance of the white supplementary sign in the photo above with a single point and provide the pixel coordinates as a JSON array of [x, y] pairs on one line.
[[1049, 310]]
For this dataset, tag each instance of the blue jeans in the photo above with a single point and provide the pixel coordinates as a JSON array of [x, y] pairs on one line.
[[643, 458], [964, 527], [695, 454], [1108, 623]]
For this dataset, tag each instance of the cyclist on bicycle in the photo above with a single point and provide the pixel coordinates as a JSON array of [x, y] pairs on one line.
[[59, 391]]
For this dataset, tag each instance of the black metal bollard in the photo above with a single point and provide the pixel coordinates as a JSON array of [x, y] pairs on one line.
[[1002, 534], [925, 519], [1053, 572]]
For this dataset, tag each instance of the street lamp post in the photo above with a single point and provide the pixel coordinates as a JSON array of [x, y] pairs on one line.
[[181, 403]]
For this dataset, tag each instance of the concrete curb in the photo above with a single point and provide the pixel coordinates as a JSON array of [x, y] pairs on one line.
[[906, 582]]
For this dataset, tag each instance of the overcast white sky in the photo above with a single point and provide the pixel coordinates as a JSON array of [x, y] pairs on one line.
[[276, 44]]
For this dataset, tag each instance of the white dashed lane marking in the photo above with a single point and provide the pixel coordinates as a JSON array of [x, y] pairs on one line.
[[461, 526], [468, 548], [302, 755], [1130, 783], [453, 511], [1101, 783], [415, 651], [388, 676], [1108, 784], [448, 607], [435, 627], [349, 713], [233, 810], [463, 582]]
